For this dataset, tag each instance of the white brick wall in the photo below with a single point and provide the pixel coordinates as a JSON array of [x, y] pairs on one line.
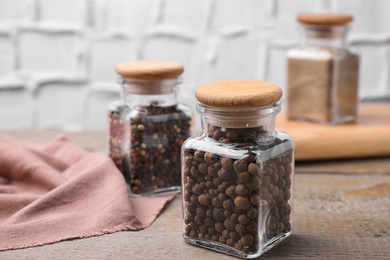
[[57, 57]]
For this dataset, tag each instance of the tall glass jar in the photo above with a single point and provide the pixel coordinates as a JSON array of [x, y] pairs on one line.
[[322, 74], [155, 126], [238, 174]]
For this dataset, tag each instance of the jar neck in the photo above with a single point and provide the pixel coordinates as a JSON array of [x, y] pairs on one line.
[[149, 92], [324, 36], [260, 119]]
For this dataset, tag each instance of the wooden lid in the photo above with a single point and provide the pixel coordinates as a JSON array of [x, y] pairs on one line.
[[238, 94], [144, 69], [324, 18]]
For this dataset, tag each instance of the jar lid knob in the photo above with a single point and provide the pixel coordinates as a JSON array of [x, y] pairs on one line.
[[325, 18], [239, 94], [145, 69]]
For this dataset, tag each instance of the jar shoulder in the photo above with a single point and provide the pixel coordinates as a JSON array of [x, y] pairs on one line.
[[320, 53], [263, 149]]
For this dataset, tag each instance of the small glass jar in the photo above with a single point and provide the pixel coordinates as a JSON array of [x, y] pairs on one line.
[[156, 126], [238, 174], [322, 74]]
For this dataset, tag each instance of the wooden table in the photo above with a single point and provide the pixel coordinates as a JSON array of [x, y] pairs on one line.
[[342, 211]]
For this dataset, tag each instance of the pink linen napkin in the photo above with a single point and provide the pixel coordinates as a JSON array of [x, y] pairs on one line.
[[58, 191]]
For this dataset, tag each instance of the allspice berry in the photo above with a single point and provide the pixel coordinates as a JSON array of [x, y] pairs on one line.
[[229, 224], [223, 174], [247, 240], [203, 168], [210, 158], [254, 169], [244, 176], [241, 190], [204, 199], [243, 219], [240, 166], [199, 155], [255, 199], [219, 227], [231, 191], [242, 202], [253, 183], [218, 214], [227, 163]]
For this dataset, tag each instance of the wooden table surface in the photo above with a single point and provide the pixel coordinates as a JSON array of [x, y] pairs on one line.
[[342, 211]]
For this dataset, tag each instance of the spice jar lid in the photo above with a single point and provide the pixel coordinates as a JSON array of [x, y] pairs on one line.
[[325, 18], [144, 69], [239, 94]]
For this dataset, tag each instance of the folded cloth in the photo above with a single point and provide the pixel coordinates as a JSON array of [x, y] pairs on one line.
[[58, 191]]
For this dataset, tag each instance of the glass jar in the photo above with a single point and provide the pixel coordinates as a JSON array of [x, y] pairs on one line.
[[238, 174], [156, 126], [116, 116], [322, 74]]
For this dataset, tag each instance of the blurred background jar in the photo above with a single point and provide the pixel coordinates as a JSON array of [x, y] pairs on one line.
[[238, 174], [148, 126], [322, 74]]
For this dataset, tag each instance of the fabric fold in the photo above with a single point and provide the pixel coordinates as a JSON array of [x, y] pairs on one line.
[[58, 191]]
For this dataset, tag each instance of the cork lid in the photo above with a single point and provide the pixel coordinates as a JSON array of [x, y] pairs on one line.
[[325, 18], [144, 69], [240, 94]]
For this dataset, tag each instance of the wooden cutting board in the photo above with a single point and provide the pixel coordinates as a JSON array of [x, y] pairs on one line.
[[369, 136]]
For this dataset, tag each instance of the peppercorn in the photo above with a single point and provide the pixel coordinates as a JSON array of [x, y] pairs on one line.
[[198, 220], [193, 234], [243, 219], [217, 166], [231, 191], [216, 202], [223, 174], [265, 180], [244, 176], [227, 204], [197, 189], [252, 213], [227, 163], [230, 242], [234, 217], [218, 214], [234, 235], [208, 221], [246, 240], [254, 169], [217, 181], [202, 168], [227, 213], [253, 183], [212, 171], [204, 199], [232, 136], [199, 155], [241, 190], [229, 224], [240, 166], [241, 202], [226, 234], [194, 199], [193, 225], [240, 229], [219, 227], [210, 158], [203, 229], [217, 134]]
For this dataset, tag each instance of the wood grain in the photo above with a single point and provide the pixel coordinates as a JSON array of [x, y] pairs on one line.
[[369, 136], [336, 216]]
